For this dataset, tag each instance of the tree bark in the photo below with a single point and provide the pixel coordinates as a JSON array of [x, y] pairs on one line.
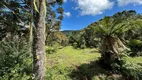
[[112, 44], [111, 49], [39, 42]]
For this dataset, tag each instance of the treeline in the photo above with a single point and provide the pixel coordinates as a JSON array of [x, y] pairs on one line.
[[116, 37], [130, 35]]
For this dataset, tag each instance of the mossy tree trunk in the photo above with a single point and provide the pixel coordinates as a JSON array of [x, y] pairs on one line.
[[39, 41]]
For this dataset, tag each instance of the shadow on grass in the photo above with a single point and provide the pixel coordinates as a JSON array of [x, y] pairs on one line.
[[93, 71]]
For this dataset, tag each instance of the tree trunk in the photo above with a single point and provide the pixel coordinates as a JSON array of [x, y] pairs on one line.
[[39, 42], [112, 44], [111, 49]]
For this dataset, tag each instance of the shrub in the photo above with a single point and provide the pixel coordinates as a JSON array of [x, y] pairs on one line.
[[83, 46], [136, 47], [15, 60], [132, 71], [75, 45], [58, 72], [52, 49]]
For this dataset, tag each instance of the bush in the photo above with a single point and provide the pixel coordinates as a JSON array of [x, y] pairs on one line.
[[15, 60], [132, 71], [58, 72], [75, 45], [136, 47], [52, 49], [82, 46]]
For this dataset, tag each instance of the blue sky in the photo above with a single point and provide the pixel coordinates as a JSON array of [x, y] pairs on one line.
[[80, 13]]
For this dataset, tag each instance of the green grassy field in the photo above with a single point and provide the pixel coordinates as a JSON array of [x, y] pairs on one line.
[[79, 64]]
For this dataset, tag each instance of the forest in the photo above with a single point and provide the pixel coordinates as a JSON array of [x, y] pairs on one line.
[[33, 46]]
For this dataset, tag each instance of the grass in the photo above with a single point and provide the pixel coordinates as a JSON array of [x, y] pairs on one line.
[[79, 64], [137, 60], [70, 57], [61, 64]]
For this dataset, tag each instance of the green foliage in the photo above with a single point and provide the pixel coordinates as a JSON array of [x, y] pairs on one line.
[[83, 46], [129, 68], [135, 42], [14, 16], [109, 29], [73, 37], [60, 10], [58, 72], [136, 47], [116, 24], [132, 71], [51, 50], [75, 45], [83, 38], [56, 38], [15, 60], [90, 36]]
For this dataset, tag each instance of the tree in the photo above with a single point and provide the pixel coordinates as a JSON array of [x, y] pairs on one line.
[[39, 40], [109, 30], [90, 36], [53, 20], [14, 15], [39, 15], [20, 17]]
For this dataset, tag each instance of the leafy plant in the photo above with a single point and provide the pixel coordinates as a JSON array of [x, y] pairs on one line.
[[136, 47], [15, 60], [109, 28], [132, 70]]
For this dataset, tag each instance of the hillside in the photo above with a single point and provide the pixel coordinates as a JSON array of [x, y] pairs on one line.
[[67, 31]]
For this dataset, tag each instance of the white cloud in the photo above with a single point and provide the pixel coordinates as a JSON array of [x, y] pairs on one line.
[[93, 7], [65, 1], [126, 2], [67, 14]]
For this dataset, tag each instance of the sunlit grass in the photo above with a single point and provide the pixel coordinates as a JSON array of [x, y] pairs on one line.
[[134, 59], [68, 63], [60, 64], [70, 56]]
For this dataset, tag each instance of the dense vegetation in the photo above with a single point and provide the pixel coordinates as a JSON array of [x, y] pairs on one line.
[[116, 37], [33, 47]]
